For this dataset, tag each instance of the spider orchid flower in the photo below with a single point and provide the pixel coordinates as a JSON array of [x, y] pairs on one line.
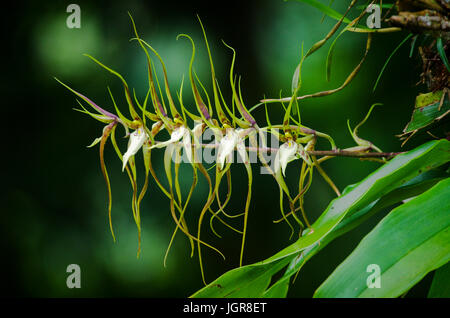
[[181, 132], [290, 151], [234, 139], [136, 141]]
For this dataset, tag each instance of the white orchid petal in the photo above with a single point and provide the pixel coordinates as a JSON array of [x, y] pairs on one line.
[[162, 144], [137, 139], [177, 134], [286, 154], [226, 147], [174, 137], [187, 145]]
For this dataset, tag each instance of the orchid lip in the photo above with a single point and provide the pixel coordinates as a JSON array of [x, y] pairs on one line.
[[286, 154], [227, 145], [137, 140], [175, 136]]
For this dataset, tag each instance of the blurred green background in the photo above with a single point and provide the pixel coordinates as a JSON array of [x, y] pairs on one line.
[[54, 197]]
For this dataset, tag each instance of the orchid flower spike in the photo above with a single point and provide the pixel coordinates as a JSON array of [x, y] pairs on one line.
[[137, 139]]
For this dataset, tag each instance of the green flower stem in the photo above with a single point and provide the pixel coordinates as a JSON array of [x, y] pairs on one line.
[[331, 153]]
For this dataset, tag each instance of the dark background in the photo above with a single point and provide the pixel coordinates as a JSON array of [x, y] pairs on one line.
[[54, 197]]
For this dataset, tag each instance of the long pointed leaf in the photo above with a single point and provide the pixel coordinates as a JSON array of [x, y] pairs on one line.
[[411, 241], [388, 177]]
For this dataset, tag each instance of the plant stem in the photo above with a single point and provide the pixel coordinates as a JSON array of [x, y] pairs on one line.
[[329, 153]]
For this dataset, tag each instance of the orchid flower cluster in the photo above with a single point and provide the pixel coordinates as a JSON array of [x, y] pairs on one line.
[[231, 131]]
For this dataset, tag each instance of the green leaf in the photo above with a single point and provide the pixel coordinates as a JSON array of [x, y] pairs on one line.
[[247, 278], [413, 45], [429, 112], [388, 59], [278, 290], [330, 56], [396, 172], [295, 79], [413, 188], [384, 6], [440, 287], [388, 177], [441, 51], [411, 241], [325, 9]]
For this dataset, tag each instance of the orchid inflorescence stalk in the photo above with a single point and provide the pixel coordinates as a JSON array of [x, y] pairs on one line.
[[231, 131]]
